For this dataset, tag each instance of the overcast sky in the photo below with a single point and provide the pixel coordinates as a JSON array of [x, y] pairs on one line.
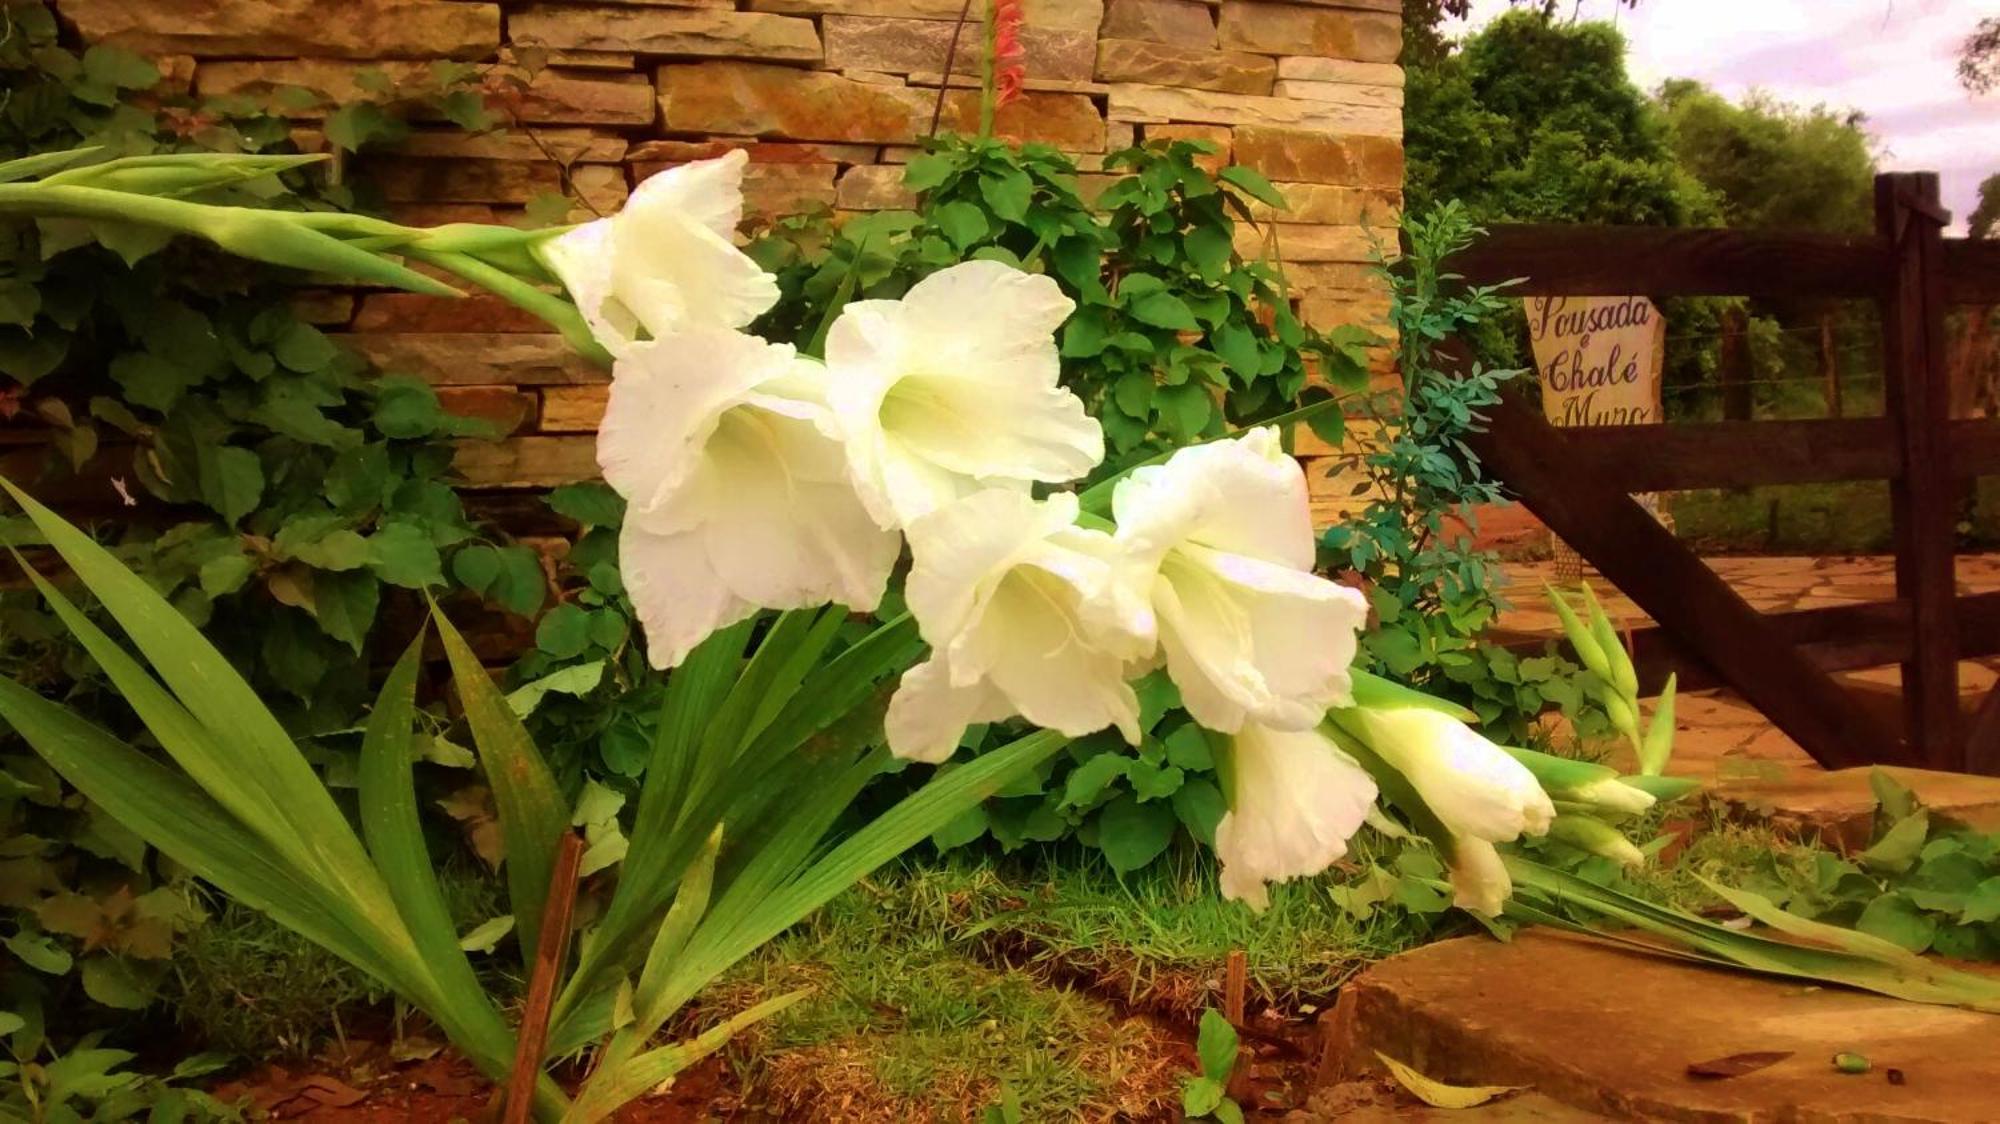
[[1892, 59]]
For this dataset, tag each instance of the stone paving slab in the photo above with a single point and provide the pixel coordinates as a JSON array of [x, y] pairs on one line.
[[1838, 806], [1613, 1032]]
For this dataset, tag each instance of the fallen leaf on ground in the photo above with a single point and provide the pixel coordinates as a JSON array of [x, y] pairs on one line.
[[331, 1091], [1437, 1094], [1736, 1065]]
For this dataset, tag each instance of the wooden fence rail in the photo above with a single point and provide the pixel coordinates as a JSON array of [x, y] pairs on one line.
[[1580, 481]]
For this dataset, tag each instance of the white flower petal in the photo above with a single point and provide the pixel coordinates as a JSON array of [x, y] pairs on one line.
[[707, 192], [1296, 801], [1242, 496], [666, 260], [676, 591], [928, 716], [1475, 788], [1219, 541], [998, 584], [954, 388], [715, 440], [1479, 880], [666, 400]]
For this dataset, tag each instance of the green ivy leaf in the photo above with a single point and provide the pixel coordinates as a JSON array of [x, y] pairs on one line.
[[20, 301], [304, 348], [119, 68], [25, 358], [1163, 310], [962, 222], [520, 586], [1153, 782], [1187, 747], [232, 480], [564, 631], [477, 567], [1208, 247], [1253, 184], [1008, 192], [1088, 780], [1199, 805], [344, 604], [324, 542], [115, 982], [1200, 1096], [1132, 834], [403, 554], [1216, 1045], [149, 380], [593, 504], [407, 408]]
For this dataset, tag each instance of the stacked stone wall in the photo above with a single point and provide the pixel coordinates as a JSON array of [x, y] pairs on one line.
[[830, 98]]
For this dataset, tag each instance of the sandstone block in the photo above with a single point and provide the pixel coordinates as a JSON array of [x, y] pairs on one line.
[[877, 187], [504, 408], [404, 180], [592, 60], [1298, 155], [654, 31], [1340, 93], [477, 358], [1217, 135], [1052, 15], [761, 152], [526, 462], [323, 307], [1142, 103], [573, 409], [1332, 205], [1313, 68], [760, 100], [907, 46], [1308, 242], [775, 189], [420, 312], [353, 29], [1308, 278], [552, 97], [1161, 64], [601, 189], [1066, 121], [563, 146], [1185, 23], [1298, 29]]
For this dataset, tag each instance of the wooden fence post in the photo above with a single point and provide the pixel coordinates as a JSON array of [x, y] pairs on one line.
[[1910, 219], [1732, 368]]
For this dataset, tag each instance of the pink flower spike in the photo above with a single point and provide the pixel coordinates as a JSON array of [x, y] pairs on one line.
[[1009, 57]]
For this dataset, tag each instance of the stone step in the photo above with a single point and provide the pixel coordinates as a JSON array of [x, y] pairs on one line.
[[1612, 1032], [1838, 805]]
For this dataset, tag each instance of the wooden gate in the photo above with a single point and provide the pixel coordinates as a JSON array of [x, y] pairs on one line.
[[1579, 481]]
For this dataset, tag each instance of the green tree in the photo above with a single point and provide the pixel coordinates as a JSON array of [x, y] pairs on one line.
[[1984, 222], [1773, 165], [1535, 120]]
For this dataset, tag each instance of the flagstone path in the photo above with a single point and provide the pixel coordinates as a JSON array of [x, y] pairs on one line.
[[1720, 738]]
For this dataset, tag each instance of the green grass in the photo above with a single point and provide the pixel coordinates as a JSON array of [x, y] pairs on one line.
[[940, 979], [245, 985], [907, 1024], [1834, 518]]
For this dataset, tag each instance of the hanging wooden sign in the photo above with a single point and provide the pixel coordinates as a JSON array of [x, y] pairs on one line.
[[1599, 358]]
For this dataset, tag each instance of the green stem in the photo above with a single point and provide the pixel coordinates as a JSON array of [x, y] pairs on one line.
[[989, 86], [558, 312], [287, 238]]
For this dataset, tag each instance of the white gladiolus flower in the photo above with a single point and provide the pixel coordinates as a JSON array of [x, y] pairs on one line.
[[997, 584], [736, 498], [1216, 556], [1480, 793], [666, 260], [1296, 800], [952, 390]]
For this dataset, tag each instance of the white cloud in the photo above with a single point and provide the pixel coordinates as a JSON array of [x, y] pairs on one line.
[[1891, 59]]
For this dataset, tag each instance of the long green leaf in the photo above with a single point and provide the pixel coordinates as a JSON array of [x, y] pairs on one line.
[[395, 838], [184, 823], [532, 812], [207, 685], [608, 1090]]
